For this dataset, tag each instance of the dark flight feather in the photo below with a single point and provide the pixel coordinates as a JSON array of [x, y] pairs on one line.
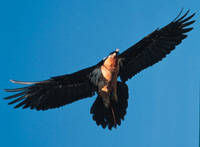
[[55, 92], [154, 47]]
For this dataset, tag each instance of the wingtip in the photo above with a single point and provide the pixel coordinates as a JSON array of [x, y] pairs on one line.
[[6, 90], [5, 98], [178, 19], [19, 82], [13, 81], [178, 15]]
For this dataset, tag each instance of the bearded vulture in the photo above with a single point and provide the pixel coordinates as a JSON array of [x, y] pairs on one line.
[[111, 103]]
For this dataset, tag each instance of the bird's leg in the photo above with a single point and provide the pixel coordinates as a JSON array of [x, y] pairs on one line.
[[114, 117], [114, 87]]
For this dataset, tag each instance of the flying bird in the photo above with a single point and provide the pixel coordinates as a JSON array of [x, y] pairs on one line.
[[111, 103]]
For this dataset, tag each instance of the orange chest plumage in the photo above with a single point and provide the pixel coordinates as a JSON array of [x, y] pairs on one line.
[[108, 81], [109, 69]]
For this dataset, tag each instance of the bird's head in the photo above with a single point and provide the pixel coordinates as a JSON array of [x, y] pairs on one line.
[[110, 62], [112, 55]]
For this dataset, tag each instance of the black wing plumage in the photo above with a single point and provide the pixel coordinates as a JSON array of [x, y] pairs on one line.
[[55, 92], [154, 47]]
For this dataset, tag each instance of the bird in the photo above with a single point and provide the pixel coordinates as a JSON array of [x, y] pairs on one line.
[[110, 106]]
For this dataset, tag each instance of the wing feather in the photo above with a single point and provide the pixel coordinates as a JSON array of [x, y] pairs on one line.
[[55, 92], [154, 47]]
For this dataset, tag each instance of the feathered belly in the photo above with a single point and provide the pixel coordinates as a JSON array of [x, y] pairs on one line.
[[108, 85]]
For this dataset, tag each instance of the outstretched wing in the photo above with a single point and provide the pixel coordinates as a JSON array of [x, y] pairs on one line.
[[55, 92], [154, 47]]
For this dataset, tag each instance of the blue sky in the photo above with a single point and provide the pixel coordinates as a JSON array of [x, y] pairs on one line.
[[41, 39]]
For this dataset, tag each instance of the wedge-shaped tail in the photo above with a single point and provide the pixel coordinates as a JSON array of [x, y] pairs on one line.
[[113, 115]]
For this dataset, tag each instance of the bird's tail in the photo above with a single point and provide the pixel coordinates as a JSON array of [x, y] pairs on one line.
[[112, 115]]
